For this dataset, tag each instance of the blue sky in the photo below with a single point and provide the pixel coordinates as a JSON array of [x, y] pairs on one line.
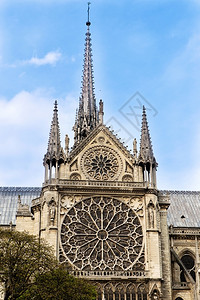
[[144, 52]]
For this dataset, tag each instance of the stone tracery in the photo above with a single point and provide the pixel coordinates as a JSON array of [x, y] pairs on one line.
[[102, 233], [101, 163]]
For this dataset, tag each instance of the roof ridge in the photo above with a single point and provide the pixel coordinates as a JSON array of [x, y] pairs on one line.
[[179, 192]]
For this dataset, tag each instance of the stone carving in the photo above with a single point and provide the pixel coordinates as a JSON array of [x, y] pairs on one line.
[[151, 215], [101, 163], [136, 203], [23, 209], [52, 210], [75, 176], [66, 144], [101, 139], [155, 295], [67, 202], [128, 178], [102, 233]]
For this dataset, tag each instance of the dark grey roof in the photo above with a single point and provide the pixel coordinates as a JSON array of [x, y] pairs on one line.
[[8, 201], [184, 210]]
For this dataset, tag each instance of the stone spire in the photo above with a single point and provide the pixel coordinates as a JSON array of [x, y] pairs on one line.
[[87, 117], [146, 150], [55, 153], [146, 157], [54, 144]]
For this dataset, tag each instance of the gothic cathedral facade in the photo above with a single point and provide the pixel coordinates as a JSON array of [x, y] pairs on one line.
[[101, 210]]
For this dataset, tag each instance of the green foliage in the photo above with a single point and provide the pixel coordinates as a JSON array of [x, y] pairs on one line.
[[22, 257], [29, 271], [59, 285]]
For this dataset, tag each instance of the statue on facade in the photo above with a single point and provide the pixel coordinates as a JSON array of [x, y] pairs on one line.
[[52, 211], [151, 216]]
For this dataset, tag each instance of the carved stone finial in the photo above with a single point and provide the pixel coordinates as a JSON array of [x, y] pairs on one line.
[[22, 209], [10, 225], [66, 144], [19, 200], [135, 148], [101, 112]]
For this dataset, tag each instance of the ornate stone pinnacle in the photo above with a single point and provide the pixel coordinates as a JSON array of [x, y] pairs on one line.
[[146, 150], [54, 148]]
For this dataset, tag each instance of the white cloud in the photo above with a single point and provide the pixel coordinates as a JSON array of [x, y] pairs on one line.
[[25, 109], [51, 58], [25, 124]]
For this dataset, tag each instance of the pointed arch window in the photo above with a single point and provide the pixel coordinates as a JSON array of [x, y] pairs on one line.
[[119, 293], [108, 292], [142, 294], [130, 293], [189, 263], [99, 292]]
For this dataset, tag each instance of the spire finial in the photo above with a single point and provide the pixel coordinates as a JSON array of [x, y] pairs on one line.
[[55, 105], [88, 11]]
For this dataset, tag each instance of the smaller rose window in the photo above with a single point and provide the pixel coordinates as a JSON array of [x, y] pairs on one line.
[[100, 163]]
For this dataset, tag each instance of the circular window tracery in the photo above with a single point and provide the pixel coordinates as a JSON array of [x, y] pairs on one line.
[[101, 163], [102, 233]]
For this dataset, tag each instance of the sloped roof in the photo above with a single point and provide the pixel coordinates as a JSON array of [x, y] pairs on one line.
[[9, 198], [184, 209]]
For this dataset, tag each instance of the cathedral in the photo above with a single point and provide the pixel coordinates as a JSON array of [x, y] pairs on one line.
[[101, 210]]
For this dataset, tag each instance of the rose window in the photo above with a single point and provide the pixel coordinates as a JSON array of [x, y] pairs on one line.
[[102, 233], [101, 163]]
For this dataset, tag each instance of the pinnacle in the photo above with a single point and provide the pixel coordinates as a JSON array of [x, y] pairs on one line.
[[54, 144], [146, 150]]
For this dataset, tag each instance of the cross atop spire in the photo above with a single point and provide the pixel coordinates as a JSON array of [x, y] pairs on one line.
[[88, 21], [87, 117], [146, 150]]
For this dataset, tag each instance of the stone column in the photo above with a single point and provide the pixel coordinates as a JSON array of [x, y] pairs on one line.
[[50, 172], [166, 257], [197, 268], [46, 173], [56, 171]]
